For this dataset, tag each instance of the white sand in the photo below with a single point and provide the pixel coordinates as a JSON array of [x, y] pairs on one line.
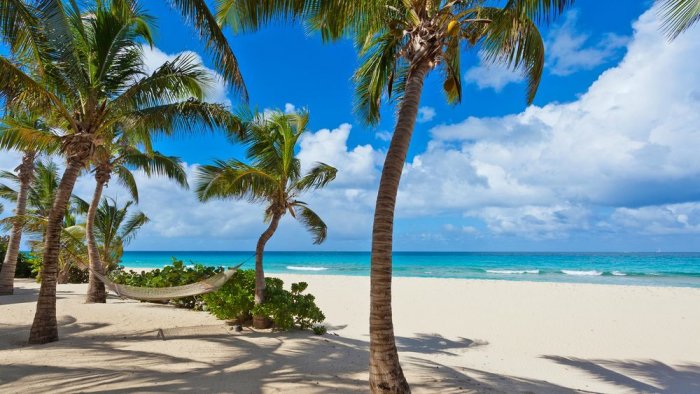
[[453, 336]]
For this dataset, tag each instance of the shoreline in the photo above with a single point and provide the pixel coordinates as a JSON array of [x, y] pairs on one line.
[[504, 279]]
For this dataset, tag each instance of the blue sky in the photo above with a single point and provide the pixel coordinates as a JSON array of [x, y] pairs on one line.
[[601, 162]]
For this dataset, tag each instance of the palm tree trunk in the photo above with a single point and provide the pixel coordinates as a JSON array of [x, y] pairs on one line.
[[7, 273], [262, 321], [44, 328], [96, 289], [385, 373]]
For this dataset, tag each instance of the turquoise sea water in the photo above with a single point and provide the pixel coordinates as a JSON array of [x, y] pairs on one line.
[[651, 269]]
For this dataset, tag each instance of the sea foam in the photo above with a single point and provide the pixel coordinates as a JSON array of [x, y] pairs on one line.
[[618, 273], [305, 268], [513, 272], [582, 273]]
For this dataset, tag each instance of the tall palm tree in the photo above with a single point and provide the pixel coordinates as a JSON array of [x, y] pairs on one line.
[[118, 158], [87, 78], [679, 15], [273, 178], [25, 174], [400, 43], [18, 119], [40, 196]]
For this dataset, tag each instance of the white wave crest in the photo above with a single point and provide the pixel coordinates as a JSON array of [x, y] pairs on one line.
[[305, 268], [618, 273], [513, 272], [582, 273]]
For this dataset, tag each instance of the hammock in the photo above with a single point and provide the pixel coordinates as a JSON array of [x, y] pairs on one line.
[[208, 285]]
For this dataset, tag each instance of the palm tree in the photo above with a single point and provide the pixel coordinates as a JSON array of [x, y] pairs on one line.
[[400, 43], [18, 119], [40, 196], [119, 158], [25, 173], [273, 178], [678, 16], [115, 228], [87, 78]]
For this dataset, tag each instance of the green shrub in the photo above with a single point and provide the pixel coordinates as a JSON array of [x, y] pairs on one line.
[[176, 274], [236, 299], [287, 309]]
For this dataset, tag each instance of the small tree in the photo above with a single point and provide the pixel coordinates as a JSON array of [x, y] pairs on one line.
[[273, 178]]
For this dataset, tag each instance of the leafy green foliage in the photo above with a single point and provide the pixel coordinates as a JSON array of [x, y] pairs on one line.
[[236, 299], [289, 309], [68, 272], [176, 274]]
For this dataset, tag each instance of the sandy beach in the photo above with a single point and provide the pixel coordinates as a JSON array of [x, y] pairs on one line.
[[453, 335]]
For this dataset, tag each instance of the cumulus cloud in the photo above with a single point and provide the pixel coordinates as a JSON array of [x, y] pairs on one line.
[[569, 51], [495, 76], [628, 142], [216, 92], [426, 114]]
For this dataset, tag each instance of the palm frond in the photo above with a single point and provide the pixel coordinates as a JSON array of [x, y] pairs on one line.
[[158, 164], [678, 16], [319, 176], [312, 222], [235, 179], [185, 117], [377, 73], [126, 179], [540, 11], [197, 12], [513, 39]]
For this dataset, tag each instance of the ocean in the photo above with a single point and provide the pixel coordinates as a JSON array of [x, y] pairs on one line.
[[646, 269]]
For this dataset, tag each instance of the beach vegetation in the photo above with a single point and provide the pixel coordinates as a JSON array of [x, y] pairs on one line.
[[235, 301], [272, 177], [82, 71]]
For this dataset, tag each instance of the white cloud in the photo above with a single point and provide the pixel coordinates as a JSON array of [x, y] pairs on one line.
[[629, 141], [217, 91], [426, 114], [383, 135], [290, 108], [567, 50], [495, 76]]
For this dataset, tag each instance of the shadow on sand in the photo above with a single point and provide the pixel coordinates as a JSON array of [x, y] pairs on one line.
[[217, 360], [648, 376]]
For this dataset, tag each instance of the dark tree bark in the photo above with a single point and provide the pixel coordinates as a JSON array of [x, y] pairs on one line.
[[96, 289], [78, 149], [263, 321], [9, 265], [385, 373]]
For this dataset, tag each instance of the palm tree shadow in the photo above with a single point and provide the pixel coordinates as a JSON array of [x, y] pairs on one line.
[[217, 360], [649, 376], [435, 344]]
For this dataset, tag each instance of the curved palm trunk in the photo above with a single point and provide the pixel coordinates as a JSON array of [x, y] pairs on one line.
[[385, 373], [44, 328], [7, 273], [96, 289], [262, 321]]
